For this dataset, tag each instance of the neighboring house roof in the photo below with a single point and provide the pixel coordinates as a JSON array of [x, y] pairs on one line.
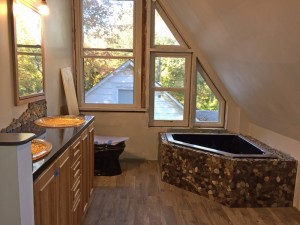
[[106, 91], [166, 106], [207, 115]]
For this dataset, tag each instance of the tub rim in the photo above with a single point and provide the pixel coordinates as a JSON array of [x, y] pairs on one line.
[[266, 153]]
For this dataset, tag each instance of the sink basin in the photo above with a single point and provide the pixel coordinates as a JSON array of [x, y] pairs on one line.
[[40, 148], [60, 121]]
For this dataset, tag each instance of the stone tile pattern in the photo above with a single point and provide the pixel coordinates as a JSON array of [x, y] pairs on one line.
[[25, 123], [230, 181]]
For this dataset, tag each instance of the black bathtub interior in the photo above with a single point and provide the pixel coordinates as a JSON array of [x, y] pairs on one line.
[[232, 145]]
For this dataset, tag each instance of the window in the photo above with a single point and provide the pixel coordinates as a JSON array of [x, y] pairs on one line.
[[169, 88], [209, 103], [174, 99], [116, 44], [109, 58]]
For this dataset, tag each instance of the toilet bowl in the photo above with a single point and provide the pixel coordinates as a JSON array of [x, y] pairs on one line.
[[107, 159]]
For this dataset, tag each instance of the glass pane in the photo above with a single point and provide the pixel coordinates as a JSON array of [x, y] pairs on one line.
[[30, 75], [107, 24], [163, 35], [168, 105], [207, 105], [28, 26], [125, 96], [169, 72], [103, 78], [94, 52]]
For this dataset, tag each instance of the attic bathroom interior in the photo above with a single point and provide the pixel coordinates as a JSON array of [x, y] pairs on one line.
[[199, 97]]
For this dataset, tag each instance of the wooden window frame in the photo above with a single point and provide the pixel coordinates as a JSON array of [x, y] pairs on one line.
[[137, 58], [184, 89], [190, 88], [211, 85]]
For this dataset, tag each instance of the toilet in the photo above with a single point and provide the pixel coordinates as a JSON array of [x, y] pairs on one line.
[[107, 150]]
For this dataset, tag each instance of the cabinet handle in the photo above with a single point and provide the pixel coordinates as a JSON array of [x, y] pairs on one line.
[[56, 173]]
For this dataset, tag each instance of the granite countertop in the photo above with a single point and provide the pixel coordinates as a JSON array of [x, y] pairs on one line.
[[61, 139]]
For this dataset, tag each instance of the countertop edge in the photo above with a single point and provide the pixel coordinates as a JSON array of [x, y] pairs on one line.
[[15, 139]]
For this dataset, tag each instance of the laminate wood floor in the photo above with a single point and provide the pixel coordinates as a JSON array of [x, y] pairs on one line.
[[138, 197]]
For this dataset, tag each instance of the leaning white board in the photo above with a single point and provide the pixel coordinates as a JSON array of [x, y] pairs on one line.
[[68, 82]]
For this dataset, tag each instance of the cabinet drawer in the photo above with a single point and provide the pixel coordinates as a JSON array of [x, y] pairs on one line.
[[75, 151], [76, 171], [76, 191]]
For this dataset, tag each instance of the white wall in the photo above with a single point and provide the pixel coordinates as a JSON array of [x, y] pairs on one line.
[[58, 52]]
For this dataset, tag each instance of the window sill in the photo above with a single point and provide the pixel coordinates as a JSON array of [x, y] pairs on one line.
[[133, 110]]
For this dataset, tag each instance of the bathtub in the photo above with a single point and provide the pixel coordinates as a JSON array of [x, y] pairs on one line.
[[231, 145], [231, 169]]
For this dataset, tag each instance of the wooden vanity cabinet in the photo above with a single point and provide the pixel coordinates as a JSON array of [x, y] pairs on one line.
[[51, 193], [62, 192]]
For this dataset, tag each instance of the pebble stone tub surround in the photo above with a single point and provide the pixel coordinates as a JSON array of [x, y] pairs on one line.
[[234, 182]]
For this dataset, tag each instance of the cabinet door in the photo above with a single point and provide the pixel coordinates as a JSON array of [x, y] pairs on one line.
[[64, 166], [46, 198], [52, 193], [77, 213]]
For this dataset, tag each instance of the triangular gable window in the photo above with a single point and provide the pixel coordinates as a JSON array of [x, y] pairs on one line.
[[209, 106], [165, 33]]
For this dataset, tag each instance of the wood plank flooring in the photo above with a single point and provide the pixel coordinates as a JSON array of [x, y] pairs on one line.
[[138, 197]]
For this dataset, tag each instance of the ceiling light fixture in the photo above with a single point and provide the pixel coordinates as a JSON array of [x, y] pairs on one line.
[[43, 8]]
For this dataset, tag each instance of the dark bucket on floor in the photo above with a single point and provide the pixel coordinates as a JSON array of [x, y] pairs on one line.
[[107, 159]]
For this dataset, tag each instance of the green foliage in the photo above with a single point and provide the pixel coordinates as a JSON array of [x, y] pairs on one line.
[[105, 25], [29, 52], [205, 99], [169, 72], [30, 75]]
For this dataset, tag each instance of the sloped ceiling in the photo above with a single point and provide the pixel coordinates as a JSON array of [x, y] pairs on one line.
[[254, 47]]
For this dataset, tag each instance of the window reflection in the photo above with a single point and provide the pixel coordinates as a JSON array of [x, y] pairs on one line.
[[28, 49]]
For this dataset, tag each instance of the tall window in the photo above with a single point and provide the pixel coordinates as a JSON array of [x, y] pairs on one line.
[[170, 73], [110, 58]]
